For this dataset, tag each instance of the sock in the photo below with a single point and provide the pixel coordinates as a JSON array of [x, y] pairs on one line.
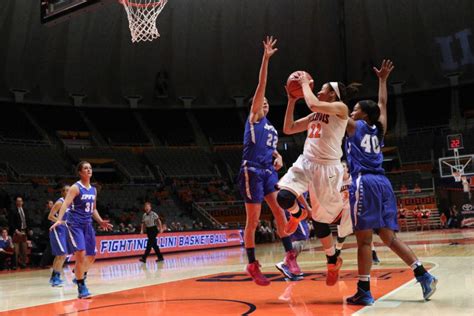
[[53, 274], [80, 282], [364, 282], [251, 254], [85, 274], [287, 243], [374, 254], [331, 255], [418, 268]]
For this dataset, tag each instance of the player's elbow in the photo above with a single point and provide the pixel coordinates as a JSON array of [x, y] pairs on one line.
[[288, 130]]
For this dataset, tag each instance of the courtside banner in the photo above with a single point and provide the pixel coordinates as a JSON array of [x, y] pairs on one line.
[[116, 246]]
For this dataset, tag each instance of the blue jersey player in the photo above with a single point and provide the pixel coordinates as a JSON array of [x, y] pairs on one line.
[[58, 239], [373, 203], [258, 176], [81, 201]]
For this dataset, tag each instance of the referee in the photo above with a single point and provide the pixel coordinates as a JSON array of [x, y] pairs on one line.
[[151, 222]]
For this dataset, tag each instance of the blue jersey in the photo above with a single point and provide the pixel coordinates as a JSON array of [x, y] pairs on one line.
[[260, 141], [82, 205], [61, 199], [364, 154]]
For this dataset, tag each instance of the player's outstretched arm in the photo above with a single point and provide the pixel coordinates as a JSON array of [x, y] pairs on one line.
[[256, 111], [290, 126], [383, 73], [71, 194], [56, 207]]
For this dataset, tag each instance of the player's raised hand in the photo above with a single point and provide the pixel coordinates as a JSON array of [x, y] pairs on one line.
[[302, 78], [385, 69], [268, 46]]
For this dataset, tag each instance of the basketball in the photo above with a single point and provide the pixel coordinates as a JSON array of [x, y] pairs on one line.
[[293, 86]]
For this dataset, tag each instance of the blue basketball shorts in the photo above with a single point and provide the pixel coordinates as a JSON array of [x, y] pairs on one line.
[[82, 237], [58, 238], [373, 203], [256, 183]]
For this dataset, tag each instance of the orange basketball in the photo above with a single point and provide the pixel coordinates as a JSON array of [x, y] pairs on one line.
[[293, 86]]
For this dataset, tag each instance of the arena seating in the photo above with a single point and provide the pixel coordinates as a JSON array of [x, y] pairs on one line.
[[15, 126], [121, 128], [221, 126], [172, 127], [182, 162], [35, 160]]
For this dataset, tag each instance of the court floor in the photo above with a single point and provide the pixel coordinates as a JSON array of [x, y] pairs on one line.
[[213, 283]]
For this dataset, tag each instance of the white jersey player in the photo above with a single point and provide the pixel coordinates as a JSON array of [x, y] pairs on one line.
[[319, 168]]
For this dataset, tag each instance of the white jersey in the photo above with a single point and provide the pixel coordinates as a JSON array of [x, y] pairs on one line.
[[324, 139]]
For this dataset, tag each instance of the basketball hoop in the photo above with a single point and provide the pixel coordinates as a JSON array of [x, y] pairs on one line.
[[142, 15], [457, 176]]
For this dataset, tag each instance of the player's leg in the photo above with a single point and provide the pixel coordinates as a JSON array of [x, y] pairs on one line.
[[289, 267], [324, 191], [375, 258], [293, 184], [339, 244], [426, 280], [251, 188], [364, 264]]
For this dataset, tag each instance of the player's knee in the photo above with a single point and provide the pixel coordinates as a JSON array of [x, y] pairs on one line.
[[341, 239], [322, 230], [251, 226], [286, 199], [389, 240]]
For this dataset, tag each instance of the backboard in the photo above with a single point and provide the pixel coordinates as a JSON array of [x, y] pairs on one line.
[[464, 164], [53, 11]]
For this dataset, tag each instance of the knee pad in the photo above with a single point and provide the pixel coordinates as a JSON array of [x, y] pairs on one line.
[[322, 229], [341, 239], [286, 199]]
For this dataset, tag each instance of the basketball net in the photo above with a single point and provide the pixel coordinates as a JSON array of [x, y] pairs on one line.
[[457, 176], [142, 15]]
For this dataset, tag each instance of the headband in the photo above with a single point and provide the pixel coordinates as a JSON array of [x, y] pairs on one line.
[[335, 87]]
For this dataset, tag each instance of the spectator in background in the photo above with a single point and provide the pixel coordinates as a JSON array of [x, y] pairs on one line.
[[18, 228], [425, 217], [453, 220], [4, 207], [165, 227], [443, 219], [47, 257], [402, 217], [417, 188], [131, 228], [403, 189], [173, 227], [417, 216], [6, 251]]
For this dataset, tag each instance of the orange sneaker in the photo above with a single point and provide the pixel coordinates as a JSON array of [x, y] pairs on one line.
[[333, 272], [293, 222], [253, 269]]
